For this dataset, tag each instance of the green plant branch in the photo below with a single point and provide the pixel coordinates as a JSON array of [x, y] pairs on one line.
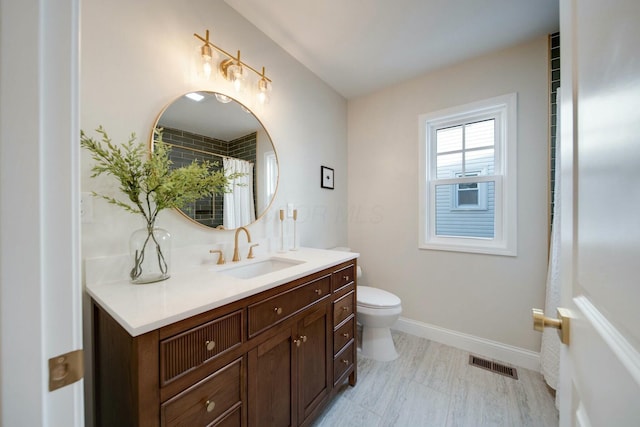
[[150, 183]]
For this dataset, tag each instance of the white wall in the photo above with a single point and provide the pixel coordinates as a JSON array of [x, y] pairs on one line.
[[138, 56], [485, 296]]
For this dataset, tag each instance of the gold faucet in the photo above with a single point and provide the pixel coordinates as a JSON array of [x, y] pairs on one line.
[[236, 254]]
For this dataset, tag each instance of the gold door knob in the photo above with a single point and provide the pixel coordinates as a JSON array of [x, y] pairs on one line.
[[345, 308], [210, 345], [346, 278], [345, 361], [278, 310], [345, 335], [210, 405], [297, 342], [303, 338], [318, 291], [540, 321]]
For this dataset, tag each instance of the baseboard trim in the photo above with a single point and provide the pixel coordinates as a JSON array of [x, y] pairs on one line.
[[480, 346]]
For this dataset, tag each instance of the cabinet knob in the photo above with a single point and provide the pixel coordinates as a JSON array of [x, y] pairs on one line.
[[346, 278], [300, 340], [278, 310], [210, 345], [210, 405], [318, 291], [345, 361], [346, 335], [345, 308]]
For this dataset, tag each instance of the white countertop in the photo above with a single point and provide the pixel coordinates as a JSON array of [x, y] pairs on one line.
[[146, 307]]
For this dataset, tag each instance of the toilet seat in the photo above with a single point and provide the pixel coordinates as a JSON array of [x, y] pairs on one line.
[[376, 298]]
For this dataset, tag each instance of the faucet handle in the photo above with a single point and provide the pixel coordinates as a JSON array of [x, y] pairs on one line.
[[251, 249], [220, 257]]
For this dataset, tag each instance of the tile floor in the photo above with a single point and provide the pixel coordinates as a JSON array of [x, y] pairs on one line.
[[432, 384]]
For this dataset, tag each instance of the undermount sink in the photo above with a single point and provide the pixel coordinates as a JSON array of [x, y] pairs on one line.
[[259, 268]]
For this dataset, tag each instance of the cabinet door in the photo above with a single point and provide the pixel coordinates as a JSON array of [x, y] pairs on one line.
[[313, 348], [270, 382]]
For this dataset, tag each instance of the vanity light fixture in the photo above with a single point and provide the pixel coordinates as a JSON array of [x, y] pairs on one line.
[[233, 69]]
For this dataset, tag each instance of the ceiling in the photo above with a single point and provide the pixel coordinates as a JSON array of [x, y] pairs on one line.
[[360, 46]]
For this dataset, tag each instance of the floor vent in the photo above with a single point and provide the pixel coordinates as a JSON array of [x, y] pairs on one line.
[[498, 368]]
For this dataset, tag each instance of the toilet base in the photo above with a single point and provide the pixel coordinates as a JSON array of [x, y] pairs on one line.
[[377, 344]]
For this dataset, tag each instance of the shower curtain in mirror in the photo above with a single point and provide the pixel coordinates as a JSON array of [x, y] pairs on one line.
[[550, 351], [238, 204]]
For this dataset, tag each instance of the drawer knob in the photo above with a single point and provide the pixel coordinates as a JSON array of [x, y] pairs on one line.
[[345, 361], [346, 335], [278, 310], [300, 340], [210, 345], [345, 308], [210, 405], [318, 291], [346, 278]]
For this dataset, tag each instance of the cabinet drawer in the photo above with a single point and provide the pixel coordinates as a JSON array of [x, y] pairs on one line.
[[279, 307], [343, 308], [343, 277], [342, 362], [211, 399], [343, 335], [234, 419], [190, 349]]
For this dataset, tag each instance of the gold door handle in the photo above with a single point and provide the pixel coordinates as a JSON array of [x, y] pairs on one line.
[[210, 405], [278, 310], [562, 324], [210, 345]]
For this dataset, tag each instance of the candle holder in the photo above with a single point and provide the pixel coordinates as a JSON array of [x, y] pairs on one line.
[[295, 237], [281, 249]]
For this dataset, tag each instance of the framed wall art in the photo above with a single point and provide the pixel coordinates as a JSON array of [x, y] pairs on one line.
[[326, 177]]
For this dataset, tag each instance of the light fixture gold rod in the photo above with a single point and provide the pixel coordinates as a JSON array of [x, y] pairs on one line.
[[224, 52]]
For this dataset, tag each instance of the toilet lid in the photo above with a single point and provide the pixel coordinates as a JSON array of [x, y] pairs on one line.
[[374, 297]]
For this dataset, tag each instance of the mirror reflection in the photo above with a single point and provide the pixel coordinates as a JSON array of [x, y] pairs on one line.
[[214, 127]]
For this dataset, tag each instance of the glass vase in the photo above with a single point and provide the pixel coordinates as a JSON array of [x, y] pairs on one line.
[[150, 250]]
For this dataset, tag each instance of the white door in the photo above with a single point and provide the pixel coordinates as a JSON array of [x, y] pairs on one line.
[[600, 251], [40, 287]]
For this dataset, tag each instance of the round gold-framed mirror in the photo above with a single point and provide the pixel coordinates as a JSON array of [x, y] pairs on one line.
[[211, 126]]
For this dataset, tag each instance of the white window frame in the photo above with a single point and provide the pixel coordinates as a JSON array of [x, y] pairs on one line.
[[504, 110]]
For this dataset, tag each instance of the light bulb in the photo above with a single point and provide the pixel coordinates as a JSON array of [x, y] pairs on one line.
[[264, 89], [207, 59], [237, 76]]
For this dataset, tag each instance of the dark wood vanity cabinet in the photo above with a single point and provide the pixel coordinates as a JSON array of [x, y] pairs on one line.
[[272, 359]]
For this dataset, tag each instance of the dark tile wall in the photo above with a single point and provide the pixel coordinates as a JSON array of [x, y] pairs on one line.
[[554, 82], [209, 210]]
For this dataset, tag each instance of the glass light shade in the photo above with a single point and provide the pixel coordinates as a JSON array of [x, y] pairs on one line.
[[223, 99], [236, 76], [264, 91], [207, 60]]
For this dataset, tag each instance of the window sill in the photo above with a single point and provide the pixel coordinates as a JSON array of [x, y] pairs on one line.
[[486, 249]]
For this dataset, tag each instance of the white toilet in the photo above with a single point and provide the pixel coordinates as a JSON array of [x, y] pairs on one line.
[[378, 310]]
